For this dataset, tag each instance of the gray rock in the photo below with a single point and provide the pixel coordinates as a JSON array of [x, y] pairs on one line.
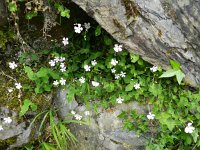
[[16, 130], [3, 13], [105, 130], [158, 30], [62, 103]]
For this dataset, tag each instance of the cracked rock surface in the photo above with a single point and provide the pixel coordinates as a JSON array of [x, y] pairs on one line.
[[105, 130], [158, 30]]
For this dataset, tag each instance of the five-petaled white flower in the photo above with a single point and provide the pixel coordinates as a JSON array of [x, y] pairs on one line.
[[78, 117], [154, 68], [93, 62], [189, 128], [62, 59], [12, 65], [117, 76], [73, 112], [82, 80], [113, 70], [136, 86], [119, 100], [63, 69], [117, 48], [10, 90], [62, 65], [65, 41], [1, 128], [18, 85], [62, 81], [56, 59], [87, 67], [150, 116], [95, 84], [114, 62], [87, 113], [55, 83], [7, 120], [52, 63], [87, 26], [123, 74], [77, 28]]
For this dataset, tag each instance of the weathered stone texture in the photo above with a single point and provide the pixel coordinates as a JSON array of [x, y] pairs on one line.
[[3, 13], [105, 130], [158, 30]]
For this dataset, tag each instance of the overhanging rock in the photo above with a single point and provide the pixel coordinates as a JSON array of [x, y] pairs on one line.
[[158, 30]]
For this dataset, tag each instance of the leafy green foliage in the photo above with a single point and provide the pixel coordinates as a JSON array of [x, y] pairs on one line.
[[12, 6], [64, 12], [25, 107], [175, 71]]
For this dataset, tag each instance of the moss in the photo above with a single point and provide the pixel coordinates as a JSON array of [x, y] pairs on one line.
[[5, 143], [131, 9]]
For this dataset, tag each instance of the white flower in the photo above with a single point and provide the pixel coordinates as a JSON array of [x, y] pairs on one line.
[[117, 76], [73, 112], [62, 59], [52, 63], [1, 128], [136, 86], [18, 85], [77, 28], [87, 67], [117, 48], [119, 100], [114, 62], [95, 84], [12, 65], [82, 80], [62, 65], [55, 83], [189, 128], [65, 41], [56, 59], [78, 117], [87, 26], [154, 68], [123, 74], [7, 120], [63, 69], [113, 70], [62, 81], [150, 116], [10, 90], [94, 62], [87, 113]]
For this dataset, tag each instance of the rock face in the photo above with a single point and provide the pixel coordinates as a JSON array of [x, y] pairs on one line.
[[3, 13], [12, 133], [105, 130], [158, 30]]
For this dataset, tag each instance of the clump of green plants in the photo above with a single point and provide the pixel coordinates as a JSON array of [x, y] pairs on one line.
[[107, 73], [97, 69]]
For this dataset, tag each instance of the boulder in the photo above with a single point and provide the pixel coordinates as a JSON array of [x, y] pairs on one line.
[[158, 30]]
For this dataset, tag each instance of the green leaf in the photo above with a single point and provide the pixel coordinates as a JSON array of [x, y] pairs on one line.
[[12, 7], [129, 87], [30, 15], [168, 73], [30, 73], [42, 72], [155, 89], [175, 65], [195, 135], [65, 13], [26, 105], [98, 31], [179, 76], [134, 58], [107, 40]]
